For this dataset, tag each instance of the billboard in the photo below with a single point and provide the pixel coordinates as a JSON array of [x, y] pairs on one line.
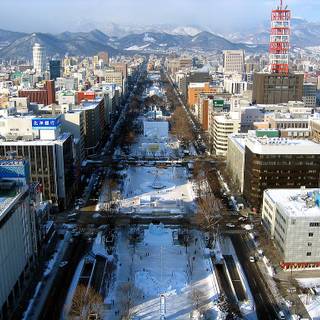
[[46, 123]]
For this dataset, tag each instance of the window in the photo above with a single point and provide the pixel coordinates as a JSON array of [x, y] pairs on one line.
[[310, 234], [314, 224], [308, 254]]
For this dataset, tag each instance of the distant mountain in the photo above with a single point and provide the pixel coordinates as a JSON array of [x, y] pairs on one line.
[[303, 34], [80, 43], [205, 41], [90, 43], [7, 37], [212, 42], [152, 41]]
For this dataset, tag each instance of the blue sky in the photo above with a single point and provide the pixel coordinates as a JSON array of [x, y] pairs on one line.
[[220, 15]]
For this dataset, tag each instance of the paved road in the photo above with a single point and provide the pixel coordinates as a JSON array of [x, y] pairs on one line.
[[265, 305]]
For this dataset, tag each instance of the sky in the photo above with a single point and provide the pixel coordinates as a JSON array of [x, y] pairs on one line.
[[73, 15]]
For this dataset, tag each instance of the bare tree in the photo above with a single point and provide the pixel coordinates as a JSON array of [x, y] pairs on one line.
[[128, 293], [86, 301], [198, 298], [209, 215], [180, 126]]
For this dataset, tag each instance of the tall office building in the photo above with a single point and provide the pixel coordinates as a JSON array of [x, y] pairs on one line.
[[18, 233], [39, 59], [104, 56], [273, 88], [55, 69], [233, 61]]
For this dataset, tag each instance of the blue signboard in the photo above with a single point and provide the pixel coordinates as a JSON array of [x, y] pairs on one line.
[[14, 169], [46, 123]]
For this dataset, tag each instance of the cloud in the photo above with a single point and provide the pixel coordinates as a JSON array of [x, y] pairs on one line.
[[59, 15]]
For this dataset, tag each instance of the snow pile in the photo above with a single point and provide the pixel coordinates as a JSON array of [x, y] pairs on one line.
[[312, 305], [98, 247], [150, 286], [308, 282], [157, 234]]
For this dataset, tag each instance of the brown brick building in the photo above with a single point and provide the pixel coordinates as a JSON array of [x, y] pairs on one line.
[[271, 88], [45, 96]]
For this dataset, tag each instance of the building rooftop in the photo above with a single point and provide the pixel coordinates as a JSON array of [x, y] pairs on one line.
[[281, 146], [239, 139], [297, 202], [87, 104], [36, 141], [8, 198]]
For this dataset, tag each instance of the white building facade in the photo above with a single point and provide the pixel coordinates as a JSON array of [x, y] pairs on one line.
[[39, 59], [292, 218]]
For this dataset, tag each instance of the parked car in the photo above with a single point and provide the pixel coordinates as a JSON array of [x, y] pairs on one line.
[[252, 259], [230, 225]]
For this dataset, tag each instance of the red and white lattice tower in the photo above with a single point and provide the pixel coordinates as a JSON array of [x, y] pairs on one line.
[[280, 40]]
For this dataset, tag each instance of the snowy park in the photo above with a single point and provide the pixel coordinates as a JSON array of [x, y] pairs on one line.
[[152, 190], [158, 276]]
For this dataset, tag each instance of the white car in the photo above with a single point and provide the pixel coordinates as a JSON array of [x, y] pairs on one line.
[[230, 225], [252, 259]]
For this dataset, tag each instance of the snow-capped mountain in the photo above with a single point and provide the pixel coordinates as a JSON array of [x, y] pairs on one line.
[[303, 34]]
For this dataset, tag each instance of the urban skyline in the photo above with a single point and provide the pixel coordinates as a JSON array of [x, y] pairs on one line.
[[160, 175]]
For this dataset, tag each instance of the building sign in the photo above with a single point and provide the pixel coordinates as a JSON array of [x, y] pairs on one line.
[[14, 169], [218, 103], [46, 123]]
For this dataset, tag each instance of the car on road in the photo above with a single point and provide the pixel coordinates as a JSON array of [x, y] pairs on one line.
[[281, 315], [63, 264], [252, 259], [230, 225]]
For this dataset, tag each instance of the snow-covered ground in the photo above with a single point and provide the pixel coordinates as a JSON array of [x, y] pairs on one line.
[[312, 305], [310, 301], [156, 141], [157, 266], [158, 191]]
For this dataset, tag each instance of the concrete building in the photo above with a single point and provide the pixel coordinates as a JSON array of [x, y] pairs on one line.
[[116, 78], [73, 122], [292, 218], [209, 105], [39, 59], [104, 56], [315, 129], [234, 86], [233, 61], [94, 124], [272, 88], [222, 126], [279, 163], [18, 234], [121, 67], [235, 158], [192, 77], [310, 95], [20, 103], [195, 89], [50, 154], [66, 97]]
